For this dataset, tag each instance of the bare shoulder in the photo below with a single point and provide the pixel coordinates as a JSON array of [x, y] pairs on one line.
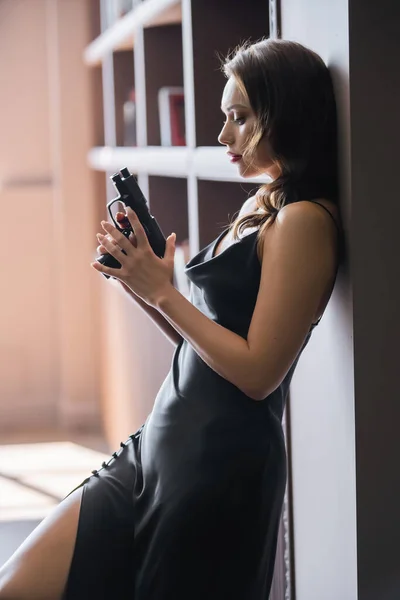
[[298, 272], [304, 214], [307, 228], [300, 214], [313, 206]]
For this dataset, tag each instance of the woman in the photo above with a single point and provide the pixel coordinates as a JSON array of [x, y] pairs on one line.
[[189, 507]]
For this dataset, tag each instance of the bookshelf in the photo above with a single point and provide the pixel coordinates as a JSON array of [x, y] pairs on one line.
[[121, 34], [168, 43], [192, 189]]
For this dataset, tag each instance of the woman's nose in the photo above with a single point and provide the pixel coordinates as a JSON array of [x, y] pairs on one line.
[[224, 136]]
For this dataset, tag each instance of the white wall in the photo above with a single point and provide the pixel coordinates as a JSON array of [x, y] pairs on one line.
[[322, 390]]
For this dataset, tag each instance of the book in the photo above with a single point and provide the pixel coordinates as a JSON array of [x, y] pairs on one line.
[[171, 107]]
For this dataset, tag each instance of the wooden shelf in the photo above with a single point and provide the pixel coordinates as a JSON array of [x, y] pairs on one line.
[[120, 36], [193, 190], [153, 160], [209, 163]]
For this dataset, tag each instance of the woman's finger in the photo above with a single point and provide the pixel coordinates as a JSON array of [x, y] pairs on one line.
[[110, 246], [107, 270], [140, 233], [124, 221], [101, 249], [121, 240], [133, 240]]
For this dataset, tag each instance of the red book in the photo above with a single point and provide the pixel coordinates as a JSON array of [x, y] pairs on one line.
[[171, 106]]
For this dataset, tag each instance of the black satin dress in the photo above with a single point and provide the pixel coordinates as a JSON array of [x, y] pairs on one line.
[[190, 505]]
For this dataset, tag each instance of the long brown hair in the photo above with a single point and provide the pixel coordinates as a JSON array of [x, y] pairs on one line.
[[290, 90]]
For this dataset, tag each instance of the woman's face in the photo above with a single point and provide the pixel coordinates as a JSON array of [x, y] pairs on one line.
[[239, 124]]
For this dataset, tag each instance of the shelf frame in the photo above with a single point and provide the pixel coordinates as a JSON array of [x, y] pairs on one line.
[[121, 35], [207, 162], [197, 162]]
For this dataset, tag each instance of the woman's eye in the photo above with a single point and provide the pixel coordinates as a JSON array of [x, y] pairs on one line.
[[238, 121]]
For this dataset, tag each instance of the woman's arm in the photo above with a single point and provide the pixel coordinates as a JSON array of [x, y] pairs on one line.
[[168, 330], [166, 326], [298, 266], [223, 350]]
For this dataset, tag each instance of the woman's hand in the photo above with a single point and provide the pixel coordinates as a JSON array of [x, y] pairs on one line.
[[120, 217], [147, 275], [122, 221]]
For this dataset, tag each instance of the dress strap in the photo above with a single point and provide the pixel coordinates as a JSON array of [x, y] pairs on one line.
[[339, 232], [329, 213]]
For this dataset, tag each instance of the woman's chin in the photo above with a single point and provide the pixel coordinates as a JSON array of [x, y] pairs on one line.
[[246, 173]]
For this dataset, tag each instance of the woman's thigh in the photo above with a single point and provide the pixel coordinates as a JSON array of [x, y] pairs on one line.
[[84, 547], [38, 569]]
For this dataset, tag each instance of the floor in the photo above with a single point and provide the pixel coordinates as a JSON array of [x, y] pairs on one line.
[[36, 473]]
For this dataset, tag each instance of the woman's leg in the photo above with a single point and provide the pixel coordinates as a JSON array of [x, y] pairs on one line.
[[97, 563], [38, 569]]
